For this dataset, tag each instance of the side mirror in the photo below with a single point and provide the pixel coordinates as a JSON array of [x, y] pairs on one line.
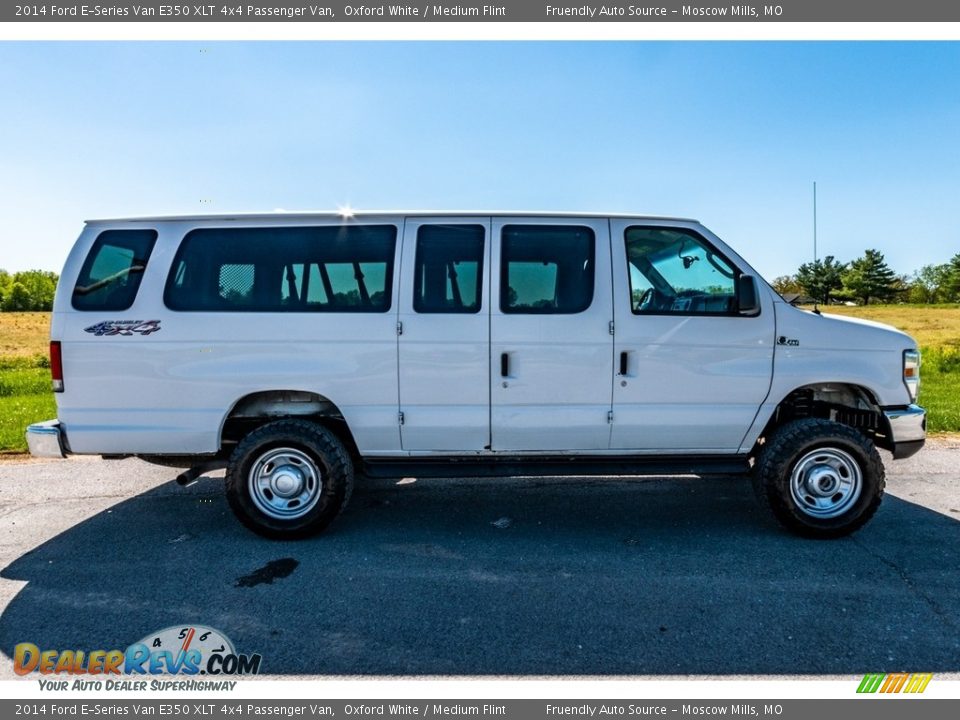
[[748, 299]]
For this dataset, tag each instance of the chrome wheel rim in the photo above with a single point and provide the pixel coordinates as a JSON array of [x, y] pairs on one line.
[[285, 483], [826, 482]]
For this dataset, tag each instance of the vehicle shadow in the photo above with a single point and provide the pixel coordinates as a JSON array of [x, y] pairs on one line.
[[544, 577]]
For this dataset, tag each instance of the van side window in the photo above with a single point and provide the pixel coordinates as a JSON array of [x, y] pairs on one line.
[[674, 271], [284, 269], [546, 269], [448, 268], [111, 274]]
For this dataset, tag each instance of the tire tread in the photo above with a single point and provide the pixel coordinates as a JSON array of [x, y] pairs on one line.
[[772, 470], [338, 470]]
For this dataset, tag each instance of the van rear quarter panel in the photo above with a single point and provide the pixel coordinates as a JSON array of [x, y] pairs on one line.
[[170, 391]]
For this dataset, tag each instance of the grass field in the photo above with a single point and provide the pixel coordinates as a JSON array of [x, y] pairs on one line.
[[933, 326], [24, 335], [25, 395]]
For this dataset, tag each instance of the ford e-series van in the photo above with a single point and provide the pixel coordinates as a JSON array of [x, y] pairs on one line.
[[299, 351]]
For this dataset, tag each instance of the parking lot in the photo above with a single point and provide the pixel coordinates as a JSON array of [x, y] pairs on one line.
[[654, 577]]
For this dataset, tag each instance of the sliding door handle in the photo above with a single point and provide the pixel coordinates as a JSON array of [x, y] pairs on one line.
[[504, 364]]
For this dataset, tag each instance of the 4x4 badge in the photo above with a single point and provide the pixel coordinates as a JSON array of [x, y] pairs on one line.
[[124, 327], [784, 340]]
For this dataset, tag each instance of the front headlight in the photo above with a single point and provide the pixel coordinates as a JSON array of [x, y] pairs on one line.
[[911, 372]]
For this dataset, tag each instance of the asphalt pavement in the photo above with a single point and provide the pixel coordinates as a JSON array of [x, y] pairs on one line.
[[572, 577]]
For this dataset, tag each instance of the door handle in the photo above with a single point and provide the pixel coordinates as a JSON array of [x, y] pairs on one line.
[[504, 364], [623, 362]]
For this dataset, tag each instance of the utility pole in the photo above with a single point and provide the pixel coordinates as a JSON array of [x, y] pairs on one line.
[[814, 221], [816, 308]]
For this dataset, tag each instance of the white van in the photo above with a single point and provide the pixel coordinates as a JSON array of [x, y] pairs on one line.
[[297, 350]]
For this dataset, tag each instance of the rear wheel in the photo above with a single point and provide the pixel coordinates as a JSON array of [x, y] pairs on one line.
[[819, 478], [289, 479]]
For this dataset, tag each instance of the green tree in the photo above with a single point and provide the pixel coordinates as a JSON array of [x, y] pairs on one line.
[[5, 282], [929, 284], [870, 278], [35, 290], [41, 285], [951, 282], [821, 278], [17, 299], [787, 284]]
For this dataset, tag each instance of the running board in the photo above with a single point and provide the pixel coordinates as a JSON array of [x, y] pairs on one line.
[[555, 466]]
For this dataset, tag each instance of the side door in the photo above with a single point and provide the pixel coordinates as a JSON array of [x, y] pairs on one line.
[[444, 338], [551, 352], [692, 370]]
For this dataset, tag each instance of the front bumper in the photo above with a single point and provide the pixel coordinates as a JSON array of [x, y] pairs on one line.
[[908, 429], [47, 439]]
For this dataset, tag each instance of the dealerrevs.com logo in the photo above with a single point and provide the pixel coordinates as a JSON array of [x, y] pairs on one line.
[[176, 650]]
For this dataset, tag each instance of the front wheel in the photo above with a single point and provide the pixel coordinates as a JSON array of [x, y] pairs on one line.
[[818, 478], [289, 479]]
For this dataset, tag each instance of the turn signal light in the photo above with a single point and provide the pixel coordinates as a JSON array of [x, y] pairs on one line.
[[911, 372], [56, 366]]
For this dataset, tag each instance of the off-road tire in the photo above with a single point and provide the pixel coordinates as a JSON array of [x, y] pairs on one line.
[[331, 462], [793, 442]]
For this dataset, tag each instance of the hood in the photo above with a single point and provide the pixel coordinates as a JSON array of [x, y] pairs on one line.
[[836, 332]]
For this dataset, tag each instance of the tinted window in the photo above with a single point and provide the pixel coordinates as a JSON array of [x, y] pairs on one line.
[[111, 274], [448, 269], [675, 271], [546, 269], [288, 269]]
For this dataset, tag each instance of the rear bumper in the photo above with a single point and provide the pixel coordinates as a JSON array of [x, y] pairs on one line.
[[908, 429], [47, 439]]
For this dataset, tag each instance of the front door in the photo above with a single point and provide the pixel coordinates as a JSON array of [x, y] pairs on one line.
[[692, 369], [550, 348]]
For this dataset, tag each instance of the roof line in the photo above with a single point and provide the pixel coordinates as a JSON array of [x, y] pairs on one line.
[[359, 214]]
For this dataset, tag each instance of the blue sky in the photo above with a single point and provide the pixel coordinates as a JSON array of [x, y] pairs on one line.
[[731, 133]]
